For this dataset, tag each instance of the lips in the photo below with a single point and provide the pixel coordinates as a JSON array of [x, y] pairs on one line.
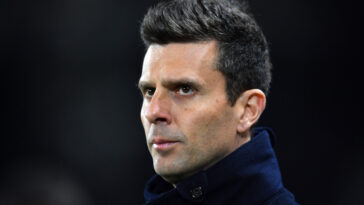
[[163, 144]]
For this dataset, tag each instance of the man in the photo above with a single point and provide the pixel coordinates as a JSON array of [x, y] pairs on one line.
[[205, 77]]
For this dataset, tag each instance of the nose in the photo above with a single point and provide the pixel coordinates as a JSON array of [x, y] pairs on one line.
[[157, 111]]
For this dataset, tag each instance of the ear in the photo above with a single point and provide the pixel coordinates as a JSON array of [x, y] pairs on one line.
[[250, 105]]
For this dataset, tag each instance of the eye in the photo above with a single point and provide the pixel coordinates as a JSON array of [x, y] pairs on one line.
[[149, 92], [185, 90]]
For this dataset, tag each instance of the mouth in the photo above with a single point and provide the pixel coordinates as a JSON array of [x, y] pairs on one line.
[[163, 144]]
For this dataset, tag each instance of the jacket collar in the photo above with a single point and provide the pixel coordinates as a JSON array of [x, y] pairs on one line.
[[254, 160]]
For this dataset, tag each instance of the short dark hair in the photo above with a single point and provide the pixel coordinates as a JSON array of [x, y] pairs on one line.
[[243, 55]]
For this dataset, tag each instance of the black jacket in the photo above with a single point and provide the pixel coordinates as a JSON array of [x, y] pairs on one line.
[[248, 176]]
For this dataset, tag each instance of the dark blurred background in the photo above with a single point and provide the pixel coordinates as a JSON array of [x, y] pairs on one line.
[[70, 130]]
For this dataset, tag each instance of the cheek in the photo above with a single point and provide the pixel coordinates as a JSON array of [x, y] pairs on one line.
[[209, 135], [209, 125], [197, 124]]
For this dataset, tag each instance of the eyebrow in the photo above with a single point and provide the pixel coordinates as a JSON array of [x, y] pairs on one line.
[[142, 85], [170, 83]]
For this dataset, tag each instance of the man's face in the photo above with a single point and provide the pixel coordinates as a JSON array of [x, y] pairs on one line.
[[188, 121]]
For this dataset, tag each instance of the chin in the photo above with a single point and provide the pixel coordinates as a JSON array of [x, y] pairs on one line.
[[168, 172], [173, 175]]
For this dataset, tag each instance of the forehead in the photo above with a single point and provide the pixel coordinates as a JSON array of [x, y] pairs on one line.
[[179, 59]]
